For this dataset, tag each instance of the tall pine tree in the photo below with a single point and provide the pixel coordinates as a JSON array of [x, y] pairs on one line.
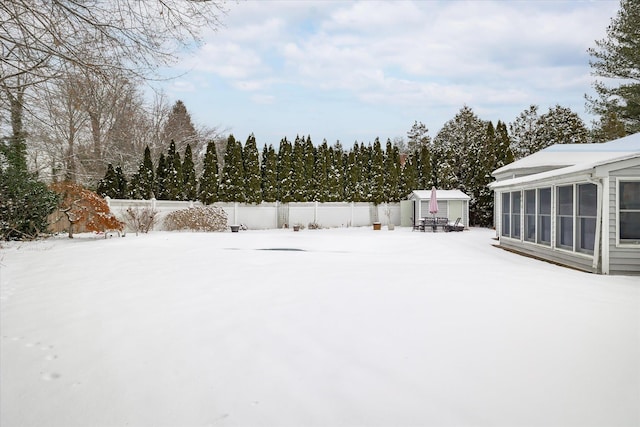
[[208, 188], [189, 180], [285, 171], [252, 176], [269, 173]]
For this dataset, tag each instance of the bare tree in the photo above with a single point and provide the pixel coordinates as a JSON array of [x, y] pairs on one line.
[[41, 37]]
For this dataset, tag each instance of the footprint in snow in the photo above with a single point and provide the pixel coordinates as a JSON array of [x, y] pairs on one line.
[[49, 376]]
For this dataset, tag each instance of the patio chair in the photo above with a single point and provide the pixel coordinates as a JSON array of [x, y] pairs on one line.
[[456, 226]]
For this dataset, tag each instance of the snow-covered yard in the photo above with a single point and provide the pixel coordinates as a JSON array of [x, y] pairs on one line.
[[335, 327]]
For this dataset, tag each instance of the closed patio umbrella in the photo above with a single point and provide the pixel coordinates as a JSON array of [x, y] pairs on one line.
[[433, 206]]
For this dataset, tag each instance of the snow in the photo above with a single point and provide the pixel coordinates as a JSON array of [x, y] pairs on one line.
[[332, 327]]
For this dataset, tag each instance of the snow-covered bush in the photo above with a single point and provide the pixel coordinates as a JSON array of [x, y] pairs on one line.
[[314, 226], [140, 220], [205, 218]]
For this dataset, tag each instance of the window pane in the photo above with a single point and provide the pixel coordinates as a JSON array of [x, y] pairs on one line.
[[587, 234], [515, 218], [630, 195], [544, 229], [544, 201], [630, 225], [515, 202], [530, 228], [565, 200], [587, 199], [565, 232], [506, 203], [530, 201], [505, 225]]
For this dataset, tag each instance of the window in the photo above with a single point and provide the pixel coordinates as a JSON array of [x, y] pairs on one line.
[[544, 216], [564, 218], [530, 215], [506, 214], [586, 220], [629, 230], [515, 214]]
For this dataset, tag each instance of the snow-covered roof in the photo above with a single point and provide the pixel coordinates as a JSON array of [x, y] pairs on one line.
[[564, 155], [569, 170], [440, 194]]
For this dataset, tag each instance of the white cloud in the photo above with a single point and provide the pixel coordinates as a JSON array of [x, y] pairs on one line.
[[490, 55]]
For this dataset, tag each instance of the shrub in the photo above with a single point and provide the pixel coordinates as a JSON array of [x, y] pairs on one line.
[[314, 226], [140, 220], [83, 207], [25, 204], [205, 218]]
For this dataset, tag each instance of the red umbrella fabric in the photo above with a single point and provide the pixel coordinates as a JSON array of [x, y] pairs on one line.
[[433, 202]]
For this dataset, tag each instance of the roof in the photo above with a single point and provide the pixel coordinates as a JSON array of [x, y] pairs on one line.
[[440, 194], [569, 170], [564, 155]]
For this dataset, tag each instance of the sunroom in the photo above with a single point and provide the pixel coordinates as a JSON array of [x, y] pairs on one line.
[[585, 216]]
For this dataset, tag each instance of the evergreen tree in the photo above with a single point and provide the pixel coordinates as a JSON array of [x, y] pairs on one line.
[[560, 125], [253, 178], [108, 186], [352, 175], [298, 174], [25, 202], [179, 128], [457, 145], [418, 136], [391, 173], [481, 206], [524, 133], [269, 173], [335, 174], [147, 177], [376, 174], [208, 188], [189, 180], [161, 178], [320, 174], [121, 184], [285, 171], [607, 128], [504, 154], [309, 189], [617, 58], [424, 168], [409, 174], [174, 180], [232, 180]]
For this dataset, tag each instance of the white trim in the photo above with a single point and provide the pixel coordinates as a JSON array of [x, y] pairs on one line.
[[606, 239], [625, 245]]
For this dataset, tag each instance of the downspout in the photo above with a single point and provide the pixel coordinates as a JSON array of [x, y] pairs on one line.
[[598, 238]]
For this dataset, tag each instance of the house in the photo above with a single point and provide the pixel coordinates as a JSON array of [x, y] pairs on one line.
[[574, 204], [452, 204]]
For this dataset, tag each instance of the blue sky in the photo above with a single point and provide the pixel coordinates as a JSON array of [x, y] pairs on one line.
[[357, 70]]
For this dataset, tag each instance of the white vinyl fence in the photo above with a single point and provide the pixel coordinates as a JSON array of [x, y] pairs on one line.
[[276, 215]]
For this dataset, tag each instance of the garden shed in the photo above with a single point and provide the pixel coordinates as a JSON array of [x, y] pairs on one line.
[[574, 204], [452, 204]]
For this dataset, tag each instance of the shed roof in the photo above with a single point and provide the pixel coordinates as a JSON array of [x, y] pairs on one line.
[[440, 194]]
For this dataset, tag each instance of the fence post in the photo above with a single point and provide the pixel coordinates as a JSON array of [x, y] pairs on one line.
[[235, 212], [353, 206]]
